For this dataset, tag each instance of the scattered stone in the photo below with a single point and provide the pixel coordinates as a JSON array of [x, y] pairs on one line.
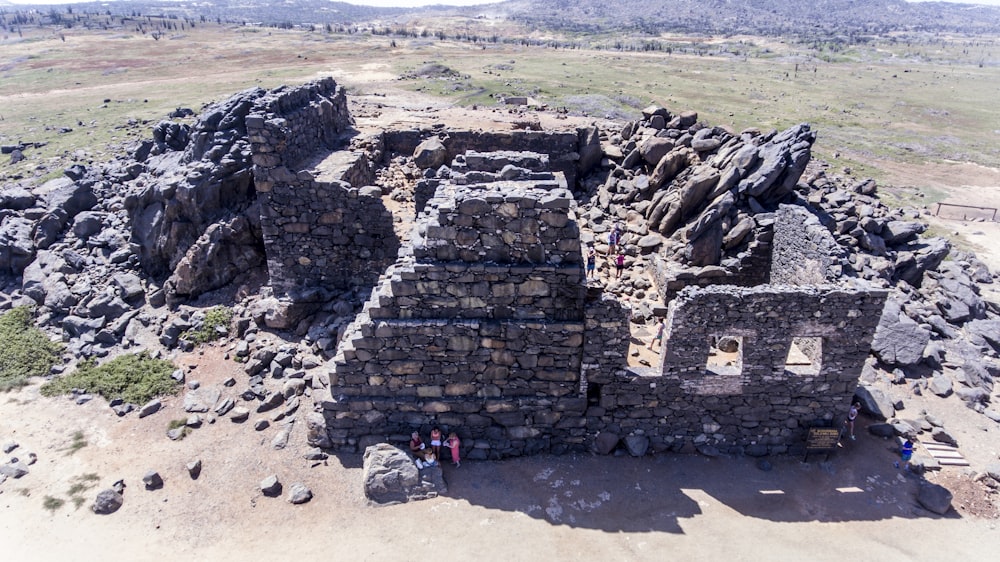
[[280, 440], [270, 486], [201, 399], [298, 493], [240, 415], [271, 401], [261, 424], [941, 435], [316, 454], [176, 434], [107, 502], [940, 385], [152, 480], [194, 468], [882, 430], [224, 406], [9, 446], [150, 408], [14, 469]]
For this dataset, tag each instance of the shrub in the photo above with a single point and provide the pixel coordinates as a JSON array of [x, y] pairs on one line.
[[25, 351], [52, 504], [216, 317], [135, 378]]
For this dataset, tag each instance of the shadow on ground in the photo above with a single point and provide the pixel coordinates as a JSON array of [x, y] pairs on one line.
[[656, 494]]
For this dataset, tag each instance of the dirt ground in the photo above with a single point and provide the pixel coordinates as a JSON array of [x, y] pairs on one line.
[[614, 508], [855, 505]]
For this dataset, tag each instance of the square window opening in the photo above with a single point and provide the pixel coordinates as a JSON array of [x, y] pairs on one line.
[[804, 356], [725, 355]]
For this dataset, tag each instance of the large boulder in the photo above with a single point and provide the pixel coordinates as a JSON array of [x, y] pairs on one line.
[[107, 502], [390, 476], [874, 402], [17, 247], [935, 498], [898, 339], [430, 153]]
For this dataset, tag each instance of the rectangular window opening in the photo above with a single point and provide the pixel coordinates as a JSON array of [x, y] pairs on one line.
[[804, 355], [725, 355]]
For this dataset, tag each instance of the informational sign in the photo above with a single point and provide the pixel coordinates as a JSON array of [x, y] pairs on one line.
[[822, 440]]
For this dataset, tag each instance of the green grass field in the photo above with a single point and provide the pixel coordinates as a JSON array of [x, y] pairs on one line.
[[905, 99]]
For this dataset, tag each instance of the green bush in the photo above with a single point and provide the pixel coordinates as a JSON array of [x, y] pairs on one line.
[[135, 378], [216, 317], [25, 351]]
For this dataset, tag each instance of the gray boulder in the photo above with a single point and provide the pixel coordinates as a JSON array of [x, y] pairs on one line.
[[940, 385], [202, 399], [390, 476], [270, 486], [299, 493], [899, 232], [941, 435], [14, 469], [316, 433], [152, 480], [430, 153], [874, 402], [107, 502], [150, 408], [934, 497], [17, 248], [605, 442], [898, 339]]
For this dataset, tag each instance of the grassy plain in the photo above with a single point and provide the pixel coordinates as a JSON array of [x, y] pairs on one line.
[[906, 100]]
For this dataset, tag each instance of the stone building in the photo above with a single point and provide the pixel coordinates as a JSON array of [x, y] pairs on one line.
[[484, 322]]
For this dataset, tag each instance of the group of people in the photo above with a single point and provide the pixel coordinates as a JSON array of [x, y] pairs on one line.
[[614, 249], [430, 455]]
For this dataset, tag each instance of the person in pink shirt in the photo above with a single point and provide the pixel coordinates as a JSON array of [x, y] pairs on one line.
[[454, 443]]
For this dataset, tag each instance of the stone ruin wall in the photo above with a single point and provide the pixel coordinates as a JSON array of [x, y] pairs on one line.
[[484, 324], [757, 403], [484, 327], [322, 230], [570, 152]]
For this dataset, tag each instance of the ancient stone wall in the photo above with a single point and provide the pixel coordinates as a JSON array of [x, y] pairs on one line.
[[485, 326], [756, 397], [322, 232], [804, 251], [563, 147]]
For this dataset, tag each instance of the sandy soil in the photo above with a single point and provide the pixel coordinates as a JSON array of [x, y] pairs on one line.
[[855, 505]]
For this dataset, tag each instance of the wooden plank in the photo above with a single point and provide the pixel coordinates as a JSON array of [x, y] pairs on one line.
[[947, 455], [953, 462]]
